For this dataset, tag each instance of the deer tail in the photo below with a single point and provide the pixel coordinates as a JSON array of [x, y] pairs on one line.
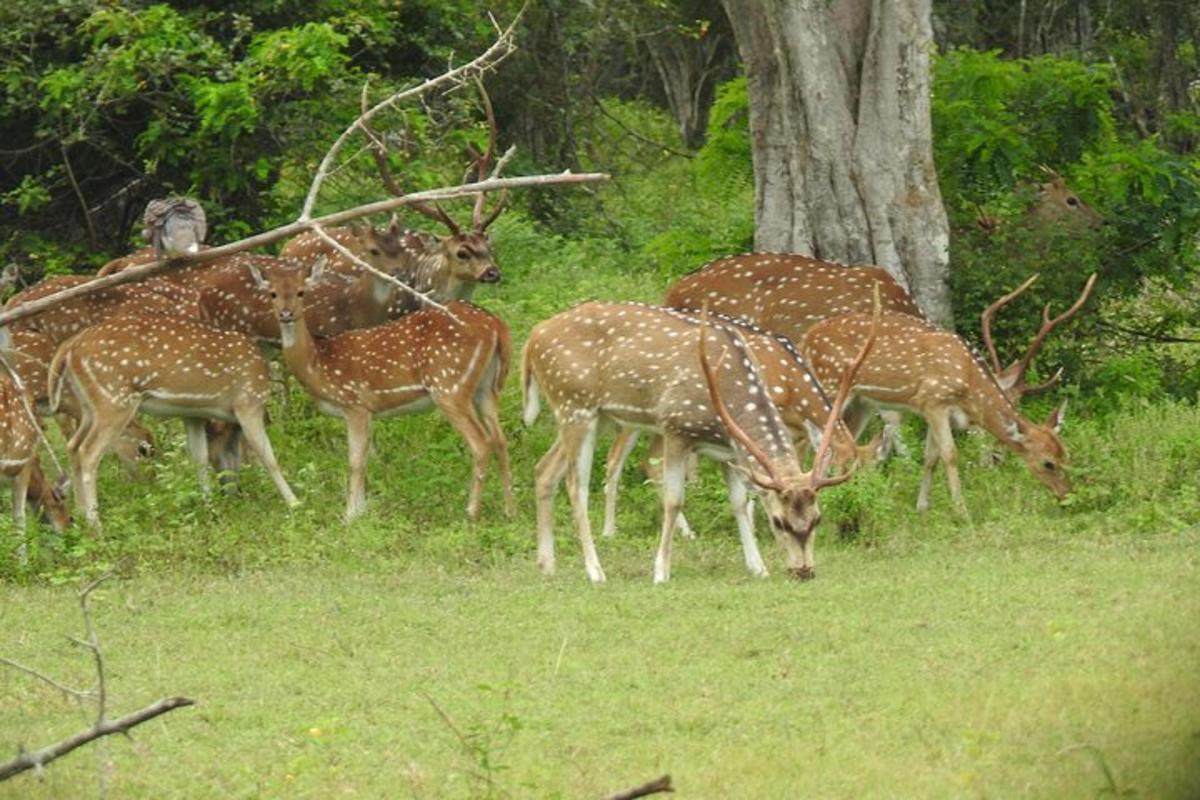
[[54, 375], [529, 390]]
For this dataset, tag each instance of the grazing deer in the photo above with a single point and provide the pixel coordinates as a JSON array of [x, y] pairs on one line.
[[19, 460], [802, 403], [30, 358], [166, 367], [455, 359], [646, 367], [918, 367]]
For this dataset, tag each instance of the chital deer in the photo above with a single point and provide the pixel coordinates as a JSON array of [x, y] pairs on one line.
[[71, 316], [30, 357], [645, 367], [1056, 206], [19, 460], [918, 367], [455, 359], [166, 367], [802, 403]]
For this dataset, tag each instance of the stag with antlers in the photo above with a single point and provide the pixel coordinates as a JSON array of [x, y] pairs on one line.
[[456, 359], [918, 367], [637, 366]]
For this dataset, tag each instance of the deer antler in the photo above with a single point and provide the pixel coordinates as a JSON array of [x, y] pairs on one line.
[[379, 152], [483, 161], [1012, 377], [772, 480], [825, 451], [985, 320]]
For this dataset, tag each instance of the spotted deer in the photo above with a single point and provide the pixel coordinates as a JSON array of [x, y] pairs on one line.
[[915, 366], [645, 367], [455, 359], [802, 403], [30, 358], [165, 367], [69, 317], [19, 459]]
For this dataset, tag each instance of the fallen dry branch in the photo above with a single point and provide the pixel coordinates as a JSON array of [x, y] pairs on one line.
[[662, 784], [39, 758], [103, 726], [141, 273]]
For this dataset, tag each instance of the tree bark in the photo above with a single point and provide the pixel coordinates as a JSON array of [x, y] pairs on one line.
[[841, 135]]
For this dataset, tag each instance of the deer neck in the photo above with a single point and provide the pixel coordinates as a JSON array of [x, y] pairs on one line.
[[376, 291], [996, 414], [301, 353]]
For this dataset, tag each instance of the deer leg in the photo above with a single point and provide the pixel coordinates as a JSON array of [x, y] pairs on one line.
[[20, 491], [944, 436], [255, 432], [932, 455], [98, 437], [618, 454], [198, 448], [464, 420], [743, 512], [674, 476], [893, 443], [579, 442], [490, 414], [549, 472], [358, 434]]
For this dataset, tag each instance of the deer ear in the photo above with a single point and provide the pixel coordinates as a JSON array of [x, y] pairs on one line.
[[394, 226], [258, 278], [1055, 420], [814, 433], [316, 271], [1013, 430], [62, 485]]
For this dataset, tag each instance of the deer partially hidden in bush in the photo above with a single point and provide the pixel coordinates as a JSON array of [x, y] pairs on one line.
[[456, 359], [645, 367], [19, 460]]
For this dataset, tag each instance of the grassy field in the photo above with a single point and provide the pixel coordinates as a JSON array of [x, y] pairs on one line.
[[1037, 650]]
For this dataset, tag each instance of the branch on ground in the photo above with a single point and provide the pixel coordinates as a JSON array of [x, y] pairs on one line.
[[662, 784]]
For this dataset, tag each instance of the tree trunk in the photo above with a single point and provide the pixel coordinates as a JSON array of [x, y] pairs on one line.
[[840, 127]]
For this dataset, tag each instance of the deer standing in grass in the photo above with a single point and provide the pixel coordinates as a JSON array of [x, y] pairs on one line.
[[456, 359], [915, 366], [802, 403], [645, 367], [166, 367]]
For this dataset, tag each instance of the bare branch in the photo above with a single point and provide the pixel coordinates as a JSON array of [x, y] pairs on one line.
[[39, 758], [662, 784], [141, 273], [501, 48], [78, 694]]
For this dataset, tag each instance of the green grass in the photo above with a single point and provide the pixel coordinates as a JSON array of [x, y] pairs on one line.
[[964, 667]]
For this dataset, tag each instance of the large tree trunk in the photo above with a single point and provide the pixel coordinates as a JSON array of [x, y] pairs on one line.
[[839, 117]]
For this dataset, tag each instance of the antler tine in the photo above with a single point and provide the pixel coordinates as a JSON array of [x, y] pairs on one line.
[[735, 430], [1049, 325], [483, 163], [985, 319], [379, 152], [825, 451]]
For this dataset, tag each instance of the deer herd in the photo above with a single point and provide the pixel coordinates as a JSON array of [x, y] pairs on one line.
[[751, 360]]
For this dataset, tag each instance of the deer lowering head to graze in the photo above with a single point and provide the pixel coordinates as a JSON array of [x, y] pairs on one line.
[[19, 460], [1012, 377], [918, 367], [166, 367], [802, 403], [647, 367], [456, 360]]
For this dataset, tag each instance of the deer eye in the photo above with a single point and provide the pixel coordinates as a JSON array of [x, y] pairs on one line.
[[1072, 201], [273, 294], [374, 251], [300, 293], [1049, 466], [464, 254]]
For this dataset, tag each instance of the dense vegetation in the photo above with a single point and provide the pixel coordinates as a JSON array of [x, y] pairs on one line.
[[314, 644]]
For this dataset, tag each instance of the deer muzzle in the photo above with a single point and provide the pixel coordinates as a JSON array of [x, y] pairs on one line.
[[490, 275]]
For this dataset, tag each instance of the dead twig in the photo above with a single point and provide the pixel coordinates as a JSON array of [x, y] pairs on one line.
[[662, 784], [103, 726]]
